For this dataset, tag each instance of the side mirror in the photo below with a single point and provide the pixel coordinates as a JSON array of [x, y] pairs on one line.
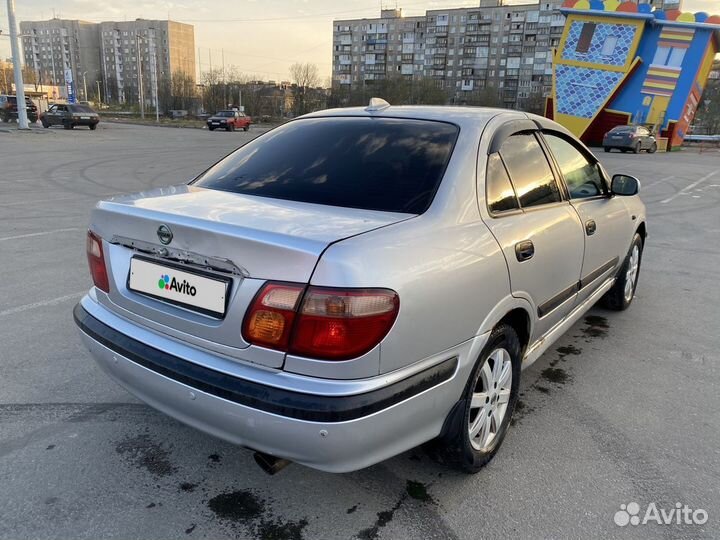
[[624, 185]]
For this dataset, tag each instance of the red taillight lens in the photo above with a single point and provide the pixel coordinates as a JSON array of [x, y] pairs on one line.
[[269, 320], [96, 261], [328, 324], [342, 324]]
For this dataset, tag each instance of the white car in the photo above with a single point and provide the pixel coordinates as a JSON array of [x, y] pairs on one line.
[[357, 282]]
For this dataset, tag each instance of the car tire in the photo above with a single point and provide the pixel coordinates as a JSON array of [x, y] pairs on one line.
[[231, 127], [246, 128], [607, 148], [92, 127], [469, 442], [45, 124], [636, 149], [67, 125], [653, 148], [621, 295], [211, 128]]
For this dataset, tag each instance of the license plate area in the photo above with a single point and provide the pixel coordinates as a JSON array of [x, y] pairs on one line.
[[177, 285]]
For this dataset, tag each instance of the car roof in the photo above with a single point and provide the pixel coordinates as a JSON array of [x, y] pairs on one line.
[[462, 116], [456, 115]]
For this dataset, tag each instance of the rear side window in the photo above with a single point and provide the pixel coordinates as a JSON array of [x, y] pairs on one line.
[[387, 164], [498, 189], [529, 170], [582, 177], [80, 108]]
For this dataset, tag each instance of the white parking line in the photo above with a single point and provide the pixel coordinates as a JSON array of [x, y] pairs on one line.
[[54, 301], [688, 188], [30, 235]]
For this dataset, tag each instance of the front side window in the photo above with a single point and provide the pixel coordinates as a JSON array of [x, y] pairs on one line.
[[498, 189], [529, 170], [582, 177], [386, 164]]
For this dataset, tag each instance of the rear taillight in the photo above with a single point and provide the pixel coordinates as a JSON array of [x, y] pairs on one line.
[[96, 261], [269, 320], [327, 324]]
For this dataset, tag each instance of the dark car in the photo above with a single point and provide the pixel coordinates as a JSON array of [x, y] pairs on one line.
[[70, 115], [8, 108], [229, 120], [634, 138]]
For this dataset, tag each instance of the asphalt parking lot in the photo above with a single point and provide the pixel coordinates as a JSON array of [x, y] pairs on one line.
[[624, 408]]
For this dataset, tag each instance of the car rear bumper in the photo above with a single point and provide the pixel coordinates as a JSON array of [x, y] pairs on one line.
[[323, 430]]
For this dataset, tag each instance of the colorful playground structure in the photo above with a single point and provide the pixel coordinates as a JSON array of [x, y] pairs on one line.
[[621, 63]]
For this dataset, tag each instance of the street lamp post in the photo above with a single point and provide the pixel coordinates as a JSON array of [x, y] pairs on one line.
[[85, 86], [17, 69]]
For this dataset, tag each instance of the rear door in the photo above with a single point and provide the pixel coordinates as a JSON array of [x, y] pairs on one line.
[[606, 221], [539, 232]]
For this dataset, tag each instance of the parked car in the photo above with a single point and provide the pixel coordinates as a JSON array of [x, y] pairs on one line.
[[360, 281], [70, 115], [8, 109], [633, 138], [229, 120]]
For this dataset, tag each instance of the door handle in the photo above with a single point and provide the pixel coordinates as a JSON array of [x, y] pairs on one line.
[[524, 250], [590, 227]]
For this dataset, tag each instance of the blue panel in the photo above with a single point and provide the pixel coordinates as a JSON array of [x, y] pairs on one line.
[[582, 91], [625, 33]]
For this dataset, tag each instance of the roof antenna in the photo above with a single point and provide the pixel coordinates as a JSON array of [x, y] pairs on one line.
[[377, 104]]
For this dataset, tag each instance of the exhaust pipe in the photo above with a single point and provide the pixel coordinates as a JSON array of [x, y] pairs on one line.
[[270, 464]]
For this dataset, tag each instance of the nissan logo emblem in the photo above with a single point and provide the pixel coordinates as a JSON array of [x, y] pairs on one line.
[[165, 234]]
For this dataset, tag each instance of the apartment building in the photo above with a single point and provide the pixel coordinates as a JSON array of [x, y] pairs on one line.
[[111, 53], [52, 48], [492, 48]]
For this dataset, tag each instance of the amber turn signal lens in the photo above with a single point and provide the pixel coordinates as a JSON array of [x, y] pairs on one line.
[[266, 326]]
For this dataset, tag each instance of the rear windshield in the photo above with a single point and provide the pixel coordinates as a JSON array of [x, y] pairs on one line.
[[225, 113], [81, 108], [387, 164], [622, 129]]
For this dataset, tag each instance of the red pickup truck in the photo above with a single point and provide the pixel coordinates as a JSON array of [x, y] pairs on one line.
[[229, 120]]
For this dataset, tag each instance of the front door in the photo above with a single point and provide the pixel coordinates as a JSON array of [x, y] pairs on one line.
[[606, 221], [537, 228]]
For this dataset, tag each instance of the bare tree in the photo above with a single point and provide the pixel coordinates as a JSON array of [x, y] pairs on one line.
[[305, 75]]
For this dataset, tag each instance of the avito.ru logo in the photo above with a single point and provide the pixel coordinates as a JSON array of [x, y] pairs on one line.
[[172, 284]]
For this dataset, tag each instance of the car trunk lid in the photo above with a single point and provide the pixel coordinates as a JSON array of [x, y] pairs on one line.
[[244, 239]]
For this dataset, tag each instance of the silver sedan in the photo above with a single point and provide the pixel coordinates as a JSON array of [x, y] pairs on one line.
[[360, 281]]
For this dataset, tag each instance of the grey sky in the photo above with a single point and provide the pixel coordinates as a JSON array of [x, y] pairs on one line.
[[259, 37]]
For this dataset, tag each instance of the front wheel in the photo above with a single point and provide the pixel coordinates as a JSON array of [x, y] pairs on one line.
[[653, 148], [246, 128], [231, 127], [482, 417], [636, 150], [607, 148], [621, 295]]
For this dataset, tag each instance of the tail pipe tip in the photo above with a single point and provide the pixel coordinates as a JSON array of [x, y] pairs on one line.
[[270, 464]]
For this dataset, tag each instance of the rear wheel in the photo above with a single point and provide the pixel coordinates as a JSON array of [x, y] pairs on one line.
[[246, 128], [621, 295], [93, 127], [68, 125], [652, 148], [45, 123], [482, 417], [231, 127], [607, 148], [211, 128]]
